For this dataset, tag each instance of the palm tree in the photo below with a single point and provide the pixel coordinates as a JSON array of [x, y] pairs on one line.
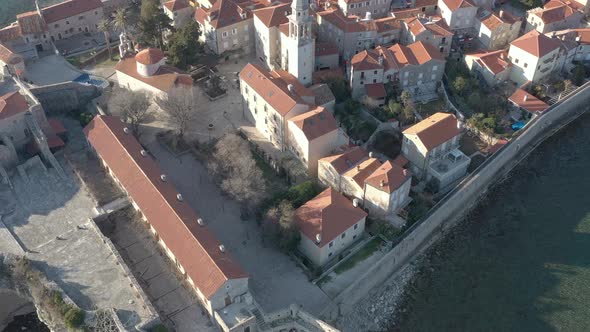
[[104, 26], [120, 19]]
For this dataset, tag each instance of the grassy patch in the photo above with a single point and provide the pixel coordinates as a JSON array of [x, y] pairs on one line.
[[432, 107], [359, 256]]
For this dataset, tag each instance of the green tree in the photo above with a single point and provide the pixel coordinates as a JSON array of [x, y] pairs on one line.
[[339, 88], [460, 85], [474, 100], [105, 26], [303, 192], [408, 110], [152, 24], [121, 19], [394, 107], [184, 47]]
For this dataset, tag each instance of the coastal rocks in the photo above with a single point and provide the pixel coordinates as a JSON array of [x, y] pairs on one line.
[[379, 308]]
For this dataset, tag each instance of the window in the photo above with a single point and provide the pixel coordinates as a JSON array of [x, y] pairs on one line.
[[374, 80], [420, 75], [516, 60], [95, 12], [234, 31], [80, 18], [375, 72], [354, 237], [526, 65], [27, 39], [331, 244], [356, 226], [224, 34], [67, 22], [343, 235], [56, 26], [330, 255]]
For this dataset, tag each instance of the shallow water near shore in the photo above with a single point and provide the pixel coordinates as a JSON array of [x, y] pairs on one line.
[[521, 261]]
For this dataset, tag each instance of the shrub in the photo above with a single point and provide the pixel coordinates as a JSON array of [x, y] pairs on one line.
[[74, 317], [303, 192], [85, 118]]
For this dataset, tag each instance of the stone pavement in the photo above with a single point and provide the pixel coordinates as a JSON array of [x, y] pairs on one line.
[[51, 70], [51, 222], [275, 280]]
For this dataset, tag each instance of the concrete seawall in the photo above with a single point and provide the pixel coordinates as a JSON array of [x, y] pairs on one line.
[[456, 203]]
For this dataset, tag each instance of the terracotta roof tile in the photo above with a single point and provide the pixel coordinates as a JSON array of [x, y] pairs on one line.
[[30, 23], [164, 79], [68, 8], [536, 43], [346, 160], [273, 16], [555, 11], [149, 56], [8, 56], [388, 177], [527, 101], [366, 60], [455, 4], [273, 87], [315, 123], [11, 104], [436, 26], [435, 129], [362, 170], [376, 90], [194, 246], [11, 32], [176, 5], [495, 61], [328, 214]]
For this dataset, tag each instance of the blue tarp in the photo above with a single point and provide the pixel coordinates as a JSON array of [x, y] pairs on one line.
[[518, 125]]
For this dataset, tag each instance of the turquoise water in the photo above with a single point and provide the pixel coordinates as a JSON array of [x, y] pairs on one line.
[[522, 261]]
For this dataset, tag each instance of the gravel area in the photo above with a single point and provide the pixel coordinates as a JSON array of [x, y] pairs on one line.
[[379, 308]]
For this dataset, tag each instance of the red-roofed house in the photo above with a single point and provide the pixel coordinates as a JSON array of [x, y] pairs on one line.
[[527, 102], [555, 15], [575, 41], [11, 63], [458, 14], [267, 37], [431, 146], [352, 34], [328, 223], [313, 135], [376, 8], [147, 71], [493, 66], [417, 68], [496, 30], [227, 25], [217, 279], [179, 11], [382, 188], [534, 56], [432, 30]]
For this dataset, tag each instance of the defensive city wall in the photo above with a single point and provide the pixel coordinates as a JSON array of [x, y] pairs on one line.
[[459, 201]]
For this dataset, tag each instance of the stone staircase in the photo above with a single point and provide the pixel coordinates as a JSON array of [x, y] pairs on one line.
[[41, 141], [262, 325]]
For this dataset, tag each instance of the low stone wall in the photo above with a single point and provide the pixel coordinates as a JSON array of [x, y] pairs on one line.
[[457, 202], [65, 97]]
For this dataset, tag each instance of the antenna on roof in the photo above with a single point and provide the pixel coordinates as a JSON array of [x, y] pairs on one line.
[[221, 248], [179, 197], [126, 130], [318, 238], [201, 222], [163, 177], [143, 152]]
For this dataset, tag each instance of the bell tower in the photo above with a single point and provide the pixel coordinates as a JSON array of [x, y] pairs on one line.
[[301, 45]]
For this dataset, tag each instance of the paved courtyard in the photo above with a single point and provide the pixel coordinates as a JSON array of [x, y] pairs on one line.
[[51, 223], [275, 280], [51, 69]]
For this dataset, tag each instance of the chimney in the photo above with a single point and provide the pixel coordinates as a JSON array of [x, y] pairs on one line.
[[358, 167], [405, 172], [291, 88], [371, 154], [355, 202], [501, 13], [525, 97], [429, 19], [368, 16], [382, 183], [502, 56], [318, 238]]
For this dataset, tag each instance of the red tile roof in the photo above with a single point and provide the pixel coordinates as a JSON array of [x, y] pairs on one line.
[[176, 5], [11, 104], [376, 90], [57, 126], [536, 43], [347, 24], [149, 56], [329, 214], [581, 35], [406, 13], [527, 101], [9, 33], [344, 161], [493, 20], [495, 61], [437, 26], [326, 48], [401, 161], [69, 8], [455, 4], [362, 170], [8, 56], [273, 16], [194, 246], [555, 11], [388, 177], [224, 13], [273, 87], [30, 23], [315, 123], [366, 60], [164, 79], [435, 129]]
